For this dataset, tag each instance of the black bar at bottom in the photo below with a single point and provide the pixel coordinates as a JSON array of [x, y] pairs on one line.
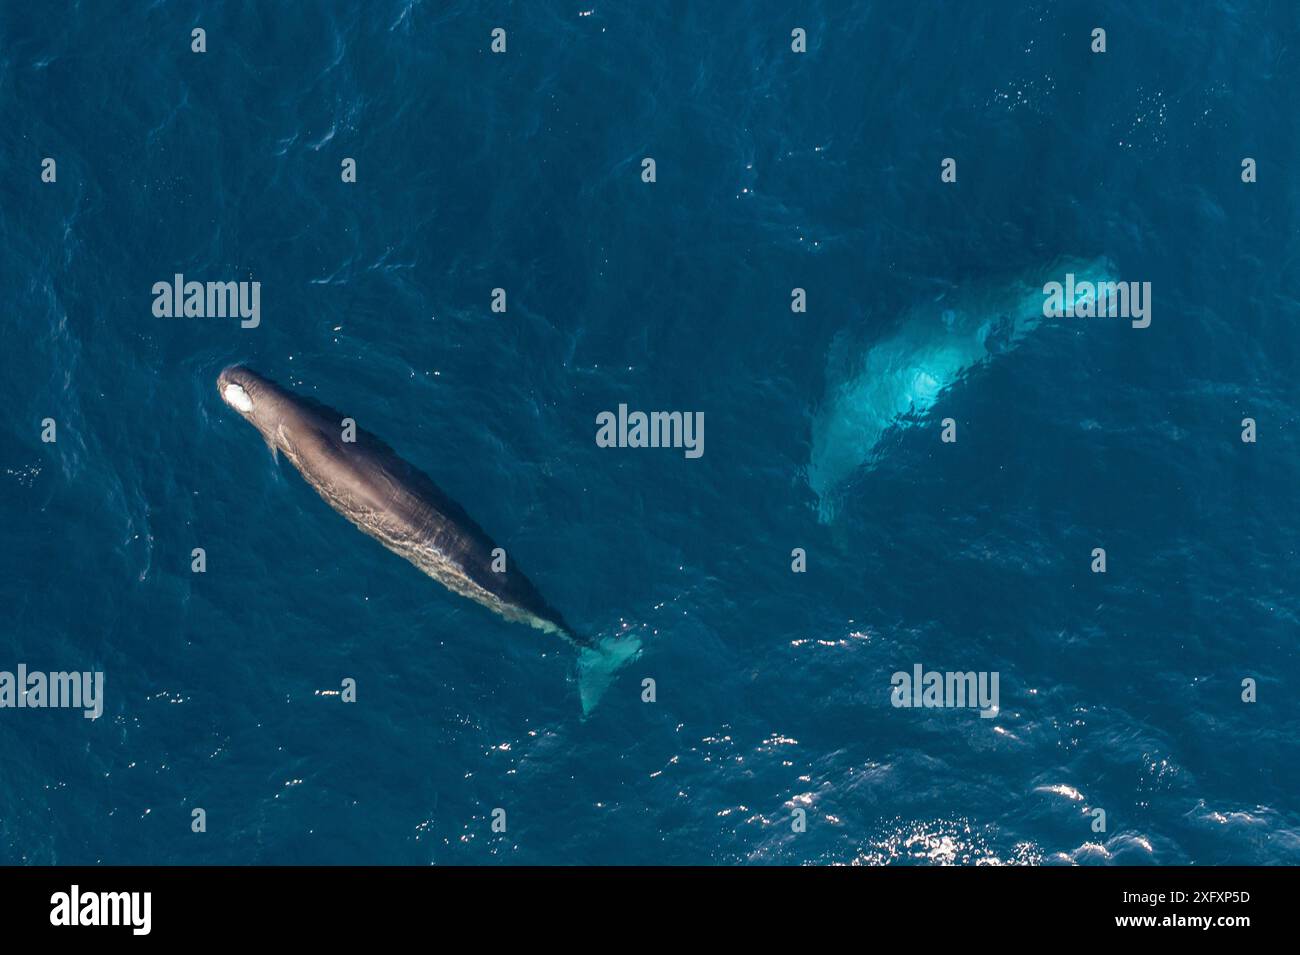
[[332, 904]]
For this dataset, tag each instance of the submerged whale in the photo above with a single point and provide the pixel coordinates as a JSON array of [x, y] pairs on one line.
[[901, 377], [398, 505]]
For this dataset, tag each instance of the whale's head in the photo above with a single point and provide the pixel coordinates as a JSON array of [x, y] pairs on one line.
[[259, 400]]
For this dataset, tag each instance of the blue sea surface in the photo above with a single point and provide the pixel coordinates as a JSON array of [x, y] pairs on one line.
[[774, 170]]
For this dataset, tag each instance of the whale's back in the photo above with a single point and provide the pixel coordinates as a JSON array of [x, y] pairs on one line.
[[399, 505]]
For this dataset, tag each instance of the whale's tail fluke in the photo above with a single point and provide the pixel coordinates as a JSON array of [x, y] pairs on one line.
[[598, 663]]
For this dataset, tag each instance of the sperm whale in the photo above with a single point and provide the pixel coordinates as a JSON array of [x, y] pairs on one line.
[[390, 500]]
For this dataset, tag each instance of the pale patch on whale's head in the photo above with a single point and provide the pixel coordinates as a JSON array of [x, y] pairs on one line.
[[237, 398], [246, 391]]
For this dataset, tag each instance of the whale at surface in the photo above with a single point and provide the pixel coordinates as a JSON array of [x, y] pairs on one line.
[[900, 377], [387, 498]]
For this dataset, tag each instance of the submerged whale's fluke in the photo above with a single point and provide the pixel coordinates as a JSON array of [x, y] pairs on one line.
[[900, 377], [597, 665], [398, 505]]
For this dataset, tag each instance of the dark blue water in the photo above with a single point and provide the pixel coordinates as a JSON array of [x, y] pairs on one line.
[[1120, 692]]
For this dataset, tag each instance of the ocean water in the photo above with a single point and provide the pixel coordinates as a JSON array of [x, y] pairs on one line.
[[775, 170]]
